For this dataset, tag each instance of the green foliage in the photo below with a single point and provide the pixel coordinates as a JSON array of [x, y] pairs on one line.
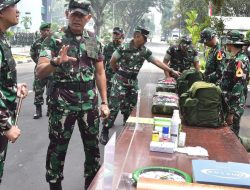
[[218, 24], [248, 35], [55, 27], [193, 27], [10, 34]]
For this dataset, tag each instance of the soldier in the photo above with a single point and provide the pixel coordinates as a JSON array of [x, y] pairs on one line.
[[181, 57], [9, 89], [108, 50], [39, 85], [126, 61], [216, 59], [77, 65], [235, 79]]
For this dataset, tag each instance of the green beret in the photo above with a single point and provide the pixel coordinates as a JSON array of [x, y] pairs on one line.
[[45, 25], [6, 3]]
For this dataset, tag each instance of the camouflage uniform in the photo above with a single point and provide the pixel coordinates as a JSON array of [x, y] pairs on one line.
[[180, 60], [234, 83], [73, 98], [125, 83], [7, 95], [216, 59], [38, 84], [108, 50]]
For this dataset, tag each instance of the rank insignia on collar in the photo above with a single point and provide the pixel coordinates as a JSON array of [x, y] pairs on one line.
[[219, 56], [239, 71]]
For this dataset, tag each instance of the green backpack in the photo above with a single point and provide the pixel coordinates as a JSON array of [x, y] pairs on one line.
[[187, 78], [201, 105]]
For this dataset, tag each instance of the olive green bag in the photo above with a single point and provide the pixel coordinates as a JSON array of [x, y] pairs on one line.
[[201, 105], [187, 78]]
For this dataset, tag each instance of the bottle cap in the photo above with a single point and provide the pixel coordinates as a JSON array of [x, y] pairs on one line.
[[165, 130]]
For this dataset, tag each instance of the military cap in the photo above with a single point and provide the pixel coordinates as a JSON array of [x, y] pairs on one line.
[[81, 6], [143, 31], [207, 34], [186, 40], [118, 30], [45, 25], [235, 37], [6, 3]]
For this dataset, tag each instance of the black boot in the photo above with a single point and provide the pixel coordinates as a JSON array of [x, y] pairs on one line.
[[55, 186], [38, 113], [104, 138], [48, 111]]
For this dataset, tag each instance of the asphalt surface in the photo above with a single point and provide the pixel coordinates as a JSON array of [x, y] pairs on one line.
[[25, 163]]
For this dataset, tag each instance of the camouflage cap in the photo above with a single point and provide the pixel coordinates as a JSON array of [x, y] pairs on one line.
[[81, 6], [6, 3], [235, 37], [142, 30], [118, 30], [186, 40], [207, 34], [45, 25]]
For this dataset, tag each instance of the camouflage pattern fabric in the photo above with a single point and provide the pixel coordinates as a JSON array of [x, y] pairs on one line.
[[38, 84], [215, 64], [61, 125], [108, 50], [166, 85], [8, 93], [125, 83], [179, 60], [69, 104], [234, 86], [6, 3]]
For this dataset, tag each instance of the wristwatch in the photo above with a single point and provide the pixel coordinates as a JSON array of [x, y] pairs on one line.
[[53, 62]]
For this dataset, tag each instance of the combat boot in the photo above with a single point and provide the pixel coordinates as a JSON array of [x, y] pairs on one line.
[[104, 138], [38, 113], [55, 186]]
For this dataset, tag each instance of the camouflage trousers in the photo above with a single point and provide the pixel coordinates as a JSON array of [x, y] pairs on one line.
[[3, 151], [39, 88], [61, 125], [235, 127], [123, 97], [109, 77]]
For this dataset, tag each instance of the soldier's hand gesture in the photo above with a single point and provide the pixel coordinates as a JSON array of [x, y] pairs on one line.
[[63, 57]]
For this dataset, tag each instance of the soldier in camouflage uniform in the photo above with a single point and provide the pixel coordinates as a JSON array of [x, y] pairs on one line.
[[9, 89], [77, 66], [234, 80], [108, 50], [126, 61], [181, 57], [39, 85], [216, 59]]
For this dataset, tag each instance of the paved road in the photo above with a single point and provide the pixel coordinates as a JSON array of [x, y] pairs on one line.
[[25, 165]]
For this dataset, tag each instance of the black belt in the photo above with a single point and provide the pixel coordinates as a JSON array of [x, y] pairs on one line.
[[75, 86], [126, 75]]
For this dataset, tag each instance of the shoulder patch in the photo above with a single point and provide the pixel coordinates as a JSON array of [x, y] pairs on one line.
[[239, 71], [219, 56]]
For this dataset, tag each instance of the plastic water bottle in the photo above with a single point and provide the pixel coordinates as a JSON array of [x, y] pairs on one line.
[[176, 122]]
